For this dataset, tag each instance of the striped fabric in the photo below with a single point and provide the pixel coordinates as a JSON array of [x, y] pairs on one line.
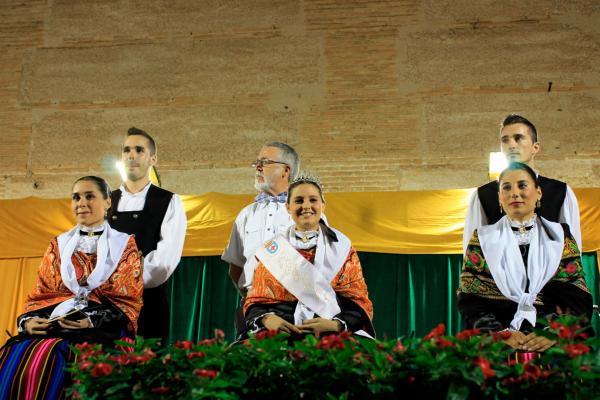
[[34, 369]]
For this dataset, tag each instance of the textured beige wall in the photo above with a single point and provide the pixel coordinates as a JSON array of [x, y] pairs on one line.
[[376, 95]]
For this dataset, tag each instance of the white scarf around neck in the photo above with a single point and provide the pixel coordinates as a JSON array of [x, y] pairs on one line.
[[502, 254], [111, 246]]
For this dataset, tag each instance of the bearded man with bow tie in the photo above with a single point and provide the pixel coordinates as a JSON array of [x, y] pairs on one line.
[[276, 166]]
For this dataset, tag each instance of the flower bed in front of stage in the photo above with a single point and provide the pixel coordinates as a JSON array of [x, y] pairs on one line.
[[464, 366]]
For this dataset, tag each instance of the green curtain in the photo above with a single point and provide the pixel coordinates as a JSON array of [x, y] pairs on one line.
[[411, 294]]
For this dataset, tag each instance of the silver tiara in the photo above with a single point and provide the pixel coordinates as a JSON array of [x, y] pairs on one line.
[[307, 176]]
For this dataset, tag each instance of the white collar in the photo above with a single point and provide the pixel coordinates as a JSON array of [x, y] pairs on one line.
[[141, 193]]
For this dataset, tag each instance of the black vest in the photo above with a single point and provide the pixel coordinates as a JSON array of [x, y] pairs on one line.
[[144, 224], [553, 197], [154, 320]]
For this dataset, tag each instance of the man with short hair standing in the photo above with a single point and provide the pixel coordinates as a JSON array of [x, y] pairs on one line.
[[519, 143], [276, 166], [157, 219]]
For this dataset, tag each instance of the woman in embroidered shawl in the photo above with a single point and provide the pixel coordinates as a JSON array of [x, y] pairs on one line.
[[89, 289], [521, 268], [309, 280]]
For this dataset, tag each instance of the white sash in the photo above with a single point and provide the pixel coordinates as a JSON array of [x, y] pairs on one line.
[[300, 278], [111, 246], [501, 252]]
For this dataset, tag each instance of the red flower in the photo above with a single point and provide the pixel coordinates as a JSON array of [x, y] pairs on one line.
[[484, 364], [184, 344], [502, 335], [167, 359], [474, 258], [333, 341], [576, 350], [531, 371], [571, 268], [160, 390], [436, 332], [195, 354], [467, 333], [85, 365], [555, 325], [219, 334], [85, 347], [207, 342], [297, 355], [205, 373], [266, 334], [122, 359], [358, 358], [102, 369], [389, 358], [399, 347], [443, 343], [565, 333]]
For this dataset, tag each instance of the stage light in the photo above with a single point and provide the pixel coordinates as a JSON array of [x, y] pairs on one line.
[[154, 175], [497, 164], [121, 169]]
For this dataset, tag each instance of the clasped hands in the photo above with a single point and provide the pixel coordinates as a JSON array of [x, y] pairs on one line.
[[314, 325], [41, 326], [531, 342]]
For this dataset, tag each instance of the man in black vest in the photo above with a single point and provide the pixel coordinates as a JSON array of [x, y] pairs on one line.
[[157, 219], [519, 142]]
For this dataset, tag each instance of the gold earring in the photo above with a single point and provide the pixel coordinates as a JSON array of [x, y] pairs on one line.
[[538, 203], [501, 210]]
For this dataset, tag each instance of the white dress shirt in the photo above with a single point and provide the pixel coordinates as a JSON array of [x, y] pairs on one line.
[[254, 225], [159, 264], [569, 214]]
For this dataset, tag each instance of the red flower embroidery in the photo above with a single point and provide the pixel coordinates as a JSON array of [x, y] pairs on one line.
[[571, 268], [160, 390], [474, 258]]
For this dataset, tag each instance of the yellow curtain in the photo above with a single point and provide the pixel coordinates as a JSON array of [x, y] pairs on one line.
[[428, 222], [18, 276]]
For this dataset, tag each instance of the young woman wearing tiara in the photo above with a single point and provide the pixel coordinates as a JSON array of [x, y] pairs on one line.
[[309, 280]]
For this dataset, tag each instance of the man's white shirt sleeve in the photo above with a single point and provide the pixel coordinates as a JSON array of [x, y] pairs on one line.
[[474, 219], [569, 214]]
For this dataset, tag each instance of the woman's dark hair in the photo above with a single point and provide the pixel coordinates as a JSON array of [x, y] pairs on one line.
[[100, 183], [299, 182], [516, 166]]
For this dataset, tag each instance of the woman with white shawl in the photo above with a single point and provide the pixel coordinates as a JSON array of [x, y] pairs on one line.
[[89, 289], [521, 268], [309, 280]]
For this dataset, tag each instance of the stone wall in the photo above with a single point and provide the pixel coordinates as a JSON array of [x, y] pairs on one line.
[[375, 95]]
